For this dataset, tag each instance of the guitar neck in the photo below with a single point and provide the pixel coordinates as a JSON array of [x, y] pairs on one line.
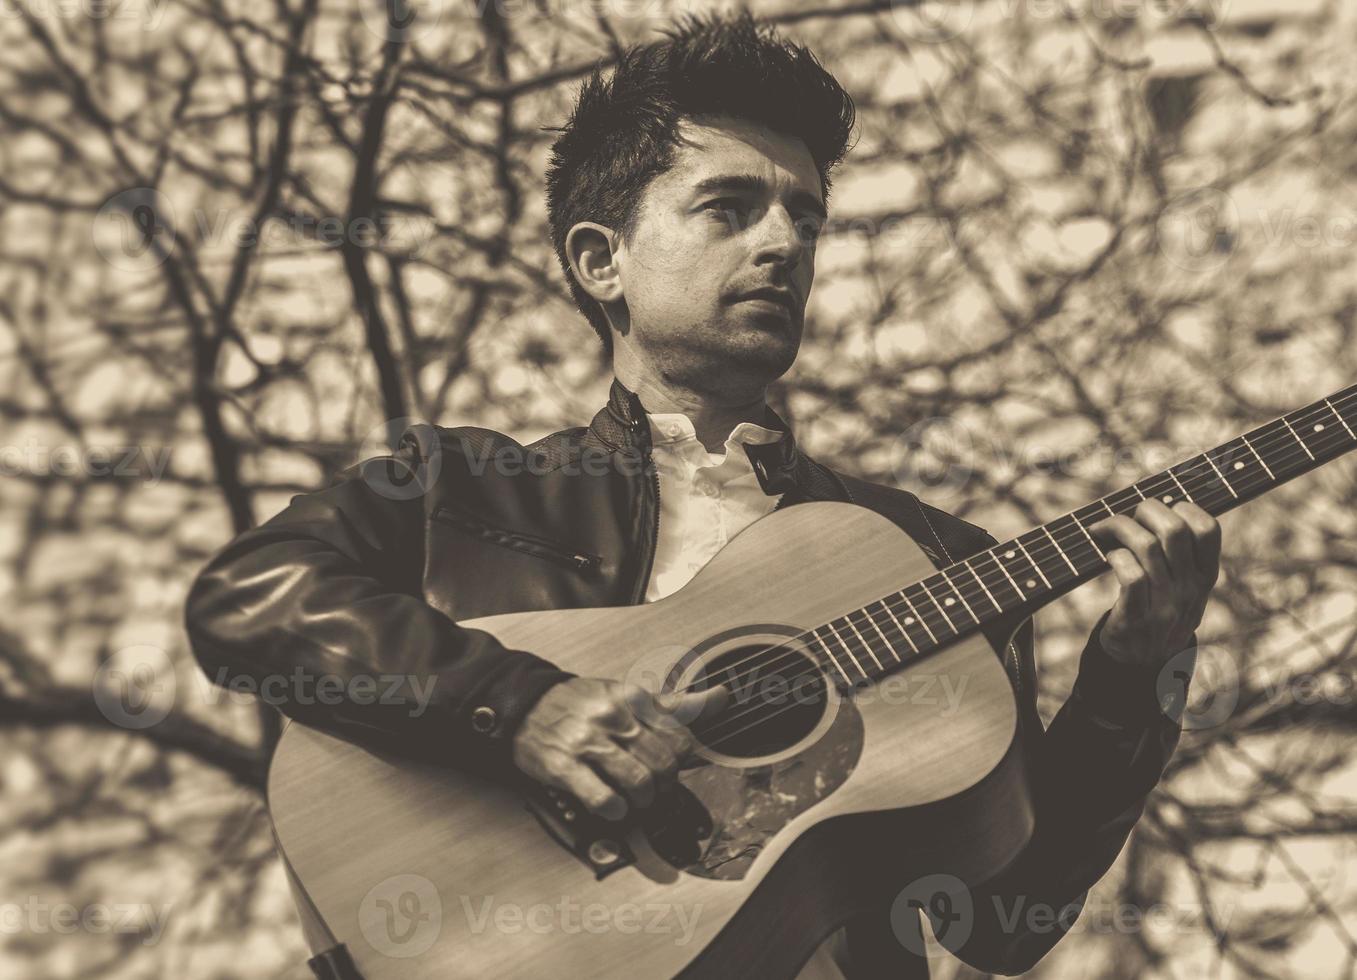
[[1026, 572]]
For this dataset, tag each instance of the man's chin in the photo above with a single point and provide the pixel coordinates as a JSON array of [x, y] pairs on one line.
[[762, 351]]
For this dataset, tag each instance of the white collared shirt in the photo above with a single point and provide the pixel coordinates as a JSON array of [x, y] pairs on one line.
[[705, 498]]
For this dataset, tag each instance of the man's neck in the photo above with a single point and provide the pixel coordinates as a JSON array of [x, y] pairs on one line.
[[712, 418]]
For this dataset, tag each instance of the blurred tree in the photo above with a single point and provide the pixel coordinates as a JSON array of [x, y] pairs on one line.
[[244, 242]]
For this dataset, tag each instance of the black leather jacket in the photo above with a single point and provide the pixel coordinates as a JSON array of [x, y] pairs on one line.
[[369, 576]]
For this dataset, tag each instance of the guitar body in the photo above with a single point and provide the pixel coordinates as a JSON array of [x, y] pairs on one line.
[[779, 843]]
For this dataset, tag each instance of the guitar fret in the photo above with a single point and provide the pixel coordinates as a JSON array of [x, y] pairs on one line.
[[1261, 463], [830, 627], [899, 625], [1152, 484], [1238, 457], [1317, 427], [1011, 580], [924, 586], [1060, 550], [865, 644], [1221, 475], [1340, 419], [1088, 537], [1018, 542], [919, 619], [830, 653], [960, 595], [1175, 479], [923, 612], [1198, 478], [977, 577], [1290, 429], [889, 646]]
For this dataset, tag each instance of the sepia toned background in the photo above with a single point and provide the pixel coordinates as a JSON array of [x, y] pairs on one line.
[[244, 242]]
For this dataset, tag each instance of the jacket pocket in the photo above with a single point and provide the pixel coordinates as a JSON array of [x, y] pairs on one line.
[[529, 544]]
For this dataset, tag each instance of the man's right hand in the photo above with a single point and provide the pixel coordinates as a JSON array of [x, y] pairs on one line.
[[608, 744]]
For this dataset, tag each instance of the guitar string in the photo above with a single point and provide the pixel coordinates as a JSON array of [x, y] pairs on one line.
[[791, 682], [869, 618], [1043, 553], [820, 666]]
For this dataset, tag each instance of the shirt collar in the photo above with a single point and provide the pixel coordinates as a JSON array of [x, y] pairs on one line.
[[673, 428], [780, 465]]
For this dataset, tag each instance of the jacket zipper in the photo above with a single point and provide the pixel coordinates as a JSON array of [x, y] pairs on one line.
[[638, 597], [518, 540]]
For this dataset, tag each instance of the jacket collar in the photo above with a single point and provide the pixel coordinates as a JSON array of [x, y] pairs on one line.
[[780, 466]]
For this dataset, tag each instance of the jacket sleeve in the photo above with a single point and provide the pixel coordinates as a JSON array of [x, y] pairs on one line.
[[319, 611], [1091, 772]]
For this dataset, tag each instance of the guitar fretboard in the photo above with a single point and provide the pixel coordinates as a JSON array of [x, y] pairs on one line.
[[1034, 568]]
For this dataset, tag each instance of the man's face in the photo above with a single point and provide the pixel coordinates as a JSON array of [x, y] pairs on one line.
[[738, 212]]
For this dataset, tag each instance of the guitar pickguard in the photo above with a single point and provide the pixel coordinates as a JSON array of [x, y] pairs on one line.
[[720, 817]]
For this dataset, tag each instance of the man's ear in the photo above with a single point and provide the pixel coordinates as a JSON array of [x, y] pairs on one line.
[[589, 249]]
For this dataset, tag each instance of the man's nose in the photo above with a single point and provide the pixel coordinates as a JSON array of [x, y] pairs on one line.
[[780, 237]]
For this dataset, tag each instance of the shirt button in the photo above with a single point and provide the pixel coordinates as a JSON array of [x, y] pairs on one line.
[[483, 719], [672, 430], [706, 488]]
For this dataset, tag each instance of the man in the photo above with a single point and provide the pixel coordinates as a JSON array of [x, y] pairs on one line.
[[685, 197]]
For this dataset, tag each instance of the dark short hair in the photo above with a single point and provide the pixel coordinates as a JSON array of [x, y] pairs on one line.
[[623, 130]]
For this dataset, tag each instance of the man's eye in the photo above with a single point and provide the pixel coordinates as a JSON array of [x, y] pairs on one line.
[[810, 226], [726, 206]]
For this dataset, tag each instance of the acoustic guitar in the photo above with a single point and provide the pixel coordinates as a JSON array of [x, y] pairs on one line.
[[840, 768]]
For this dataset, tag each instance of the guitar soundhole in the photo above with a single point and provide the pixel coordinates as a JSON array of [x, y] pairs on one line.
[[778, 696]]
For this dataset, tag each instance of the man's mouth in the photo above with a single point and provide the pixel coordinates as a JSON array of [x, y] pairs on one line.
[[773, 300]]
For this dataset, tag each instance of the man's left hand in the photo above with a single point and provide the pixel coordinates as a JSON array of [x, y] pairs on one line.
[[1167, 560]]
